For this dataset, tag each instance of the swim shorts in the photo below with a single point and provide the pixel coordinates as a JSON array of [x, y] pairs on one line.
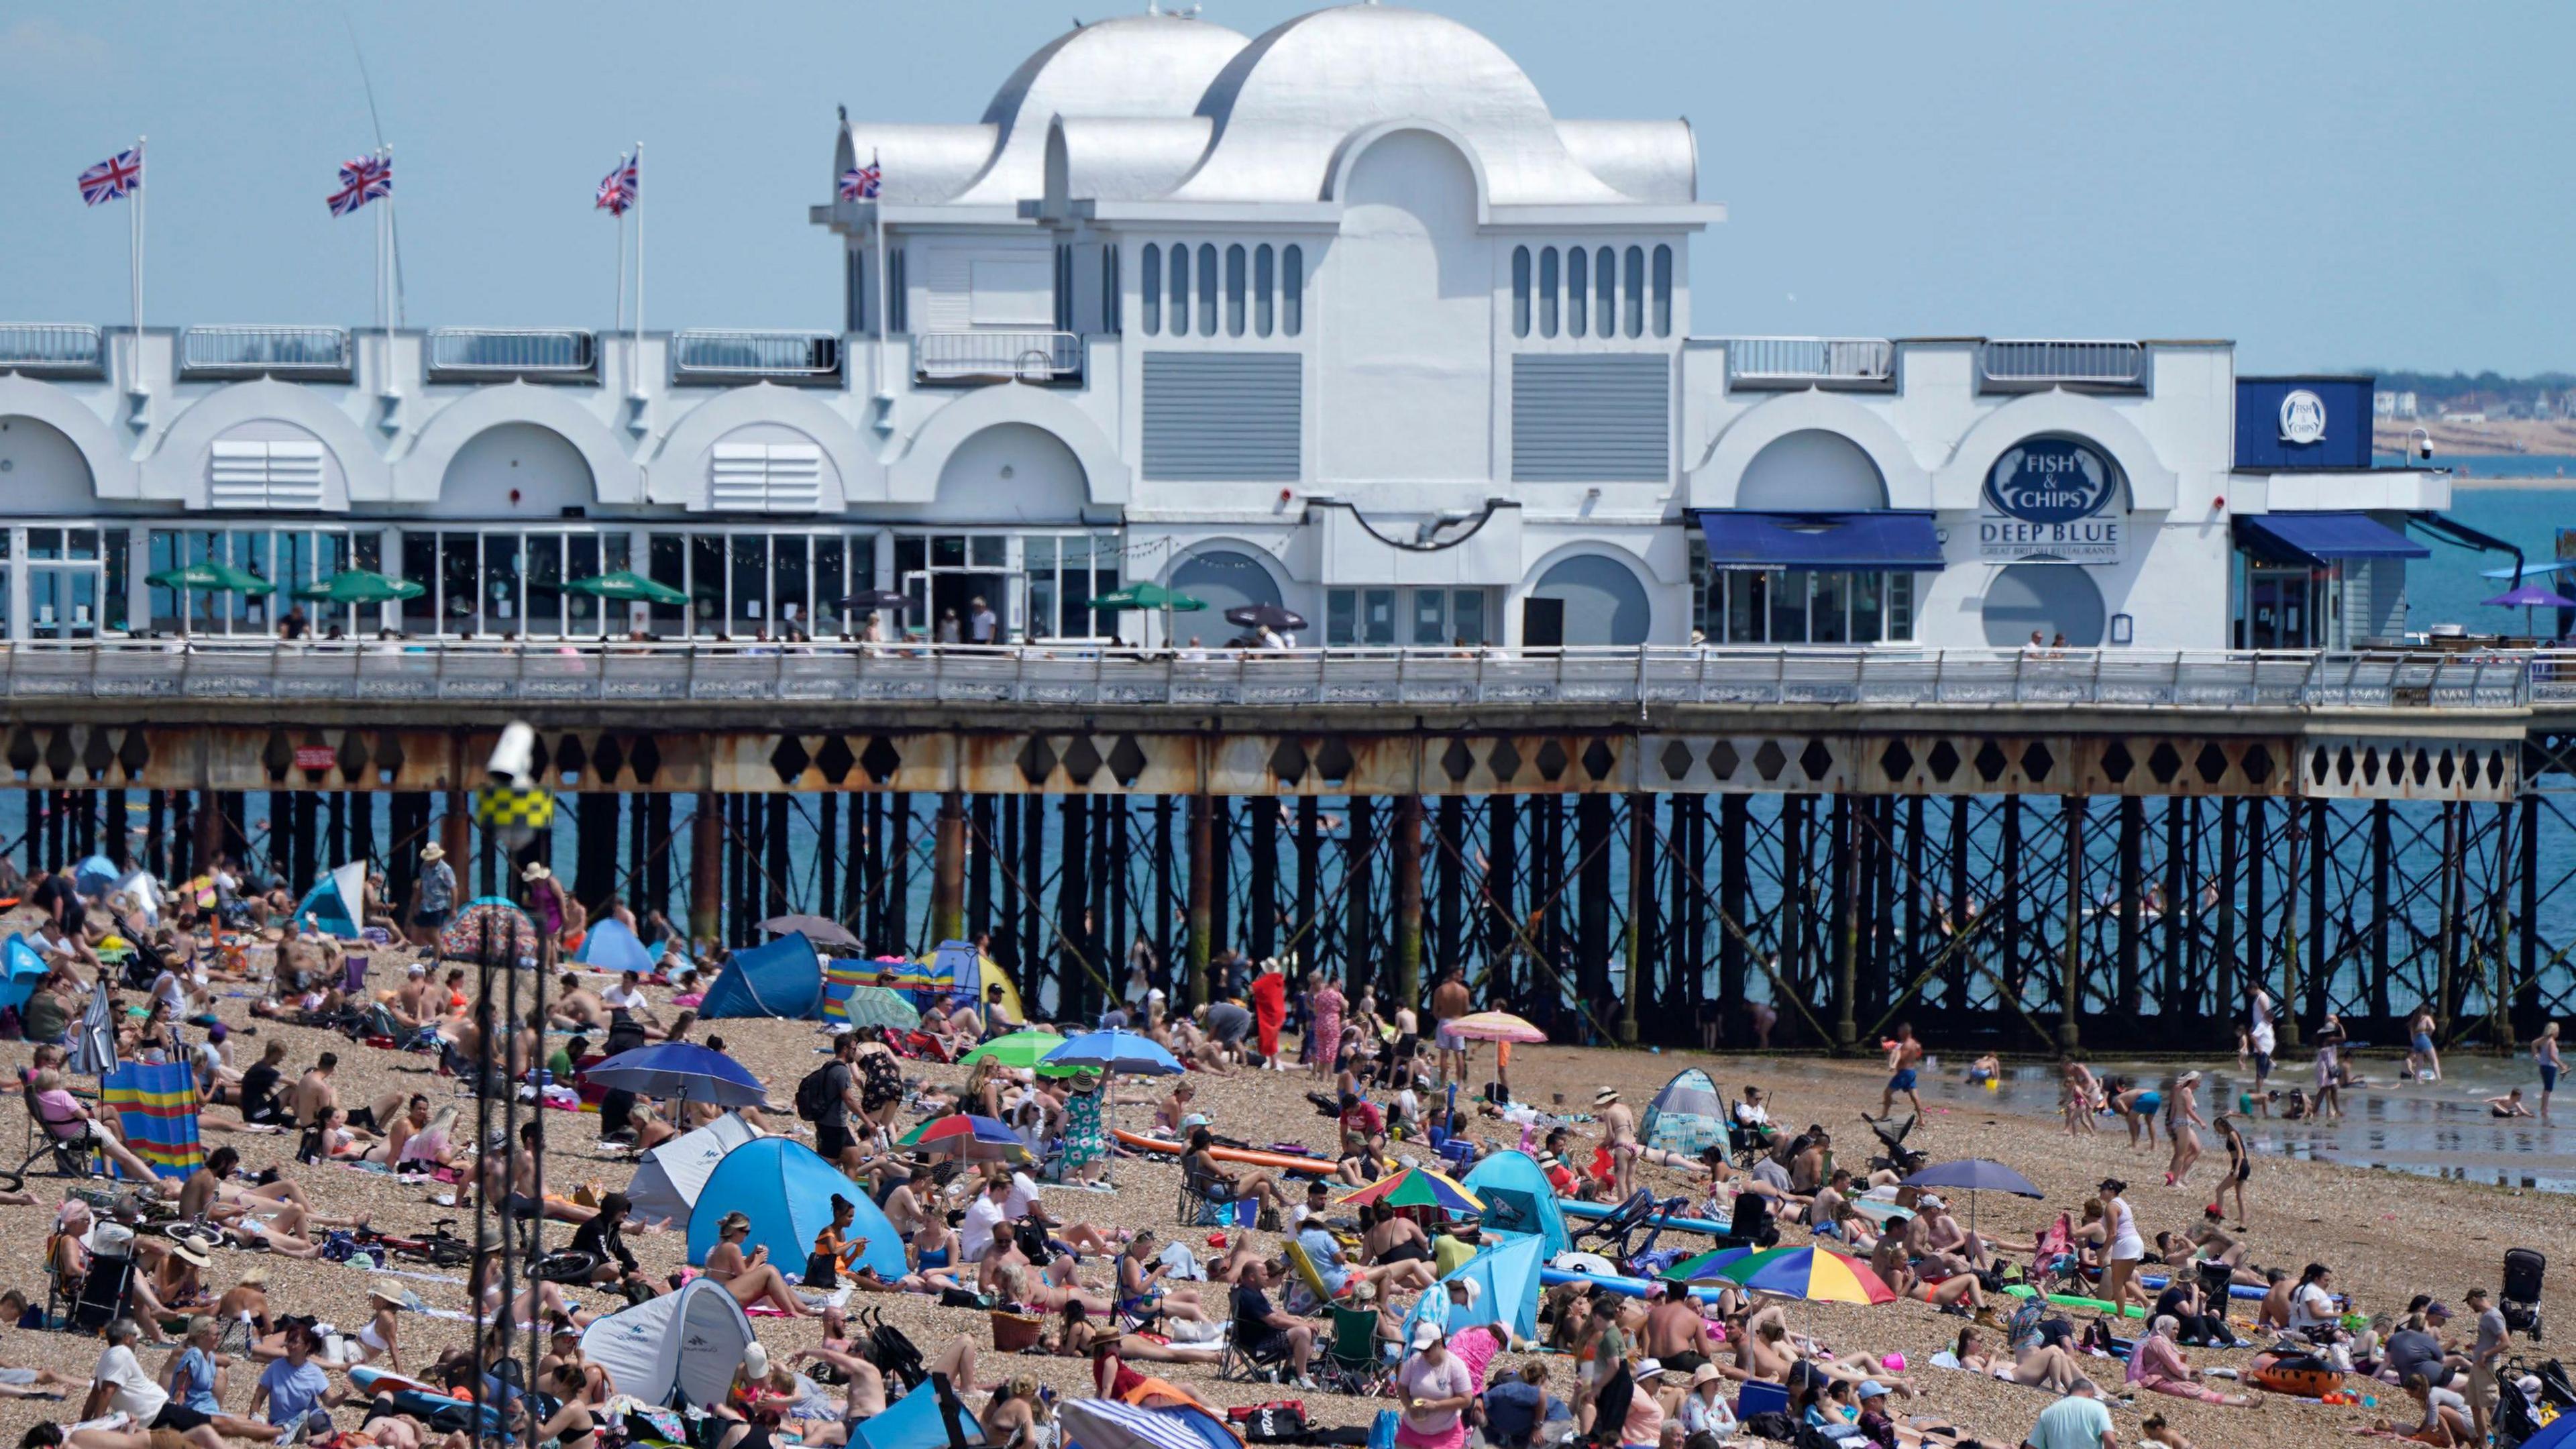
[[2548, 1078], [2421, 1044], [1902, 1082], [2262, 1065]]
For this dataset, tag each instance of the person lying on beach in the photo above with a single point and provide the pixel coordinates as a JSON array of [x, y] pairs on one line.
[[2508, 1105]]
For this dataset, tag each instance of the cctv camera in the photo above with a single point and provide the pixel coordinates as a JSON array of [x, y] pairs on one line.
[[2423, 447], [514, 759]]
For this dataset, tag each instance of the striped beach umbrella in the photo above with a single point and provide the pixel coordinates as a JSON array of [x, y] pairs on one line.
[[878, 1006], [1817, 1275], [967, 1138], [1419, 1187], [1706, 1265], [1496, 1026]]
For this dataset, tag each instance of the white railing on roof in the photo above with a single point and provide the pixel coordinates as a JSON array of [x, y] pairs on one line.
[[510, 351], [1052, 676], [54, 349], [1027, 356], [1809, 361], [717, 354], [247, 351], [2050, 363]]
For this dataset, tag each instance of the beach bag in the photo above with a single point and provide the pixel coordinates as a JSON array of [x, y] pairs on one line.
[[1281, 1421], [1382, 1432], [1015, 1332], [814, 1093], [1771, 1424]]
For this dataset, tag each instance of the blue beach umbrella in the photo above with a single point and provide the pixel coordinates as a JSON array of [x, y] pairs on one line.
[[1123, 1053], [1975, 1175], [680, 1069]]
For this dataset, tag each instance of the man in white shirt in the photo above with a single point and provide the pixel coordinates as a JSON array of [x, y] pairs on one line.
[[1318, 1202], [2259, 1032], [119, 1382], [981, 624], [989, 1210]]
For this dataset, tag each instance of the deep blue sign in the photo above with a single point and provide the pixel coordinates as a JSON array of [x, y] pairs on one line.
[[2051, 480], [2303, 422]]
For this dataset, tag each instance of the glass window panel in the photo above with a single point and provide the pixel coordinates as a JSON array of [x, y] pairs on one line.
[[948, 551], [1207, 289], [1110, 297], [791, 583], [747, 611], [502, 571], [1430, 617], [460, 564], [666, 562], [832, 583], [1547, 292], [1044, 609], [1292, 290], [1633, 319], [1605, 292], [1263, 265], [911, 553], [1234, 288], [1377, 618], [1467, 614], [706, 583], [1868, 610], [989, 550], [44, 543], [1788, 606], [1578, 277], [584, 614], [1104, 579], [1900, 607], [420, 565], [1746, 595], [1828, 613], [1341, 618], [1151, 293], [1520, 291], [1663, 291], [545, 585], [1180, 290]]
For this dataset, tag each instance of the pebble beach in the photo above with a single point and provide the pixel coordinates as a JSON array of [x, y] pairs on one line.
[[2386, 1235]]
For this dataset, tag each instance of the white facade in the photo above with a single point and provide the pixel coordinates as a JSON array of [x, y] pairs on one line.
[[1339, 317]]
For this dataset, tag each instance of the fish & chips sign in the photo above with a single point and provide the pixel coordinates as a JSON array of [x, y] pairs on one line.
[[2051, 500]]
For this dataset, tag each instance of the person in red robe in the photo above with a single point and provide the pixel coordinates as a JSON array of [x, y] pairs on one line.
[[1269, 1008]]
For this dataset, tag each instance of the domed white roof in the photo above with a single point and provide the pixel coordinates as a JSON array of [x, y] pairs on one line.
[[1135, 66]]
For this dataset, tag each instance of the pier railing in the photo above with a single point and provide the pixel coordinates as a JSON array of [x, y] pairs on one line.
[[620, 671]]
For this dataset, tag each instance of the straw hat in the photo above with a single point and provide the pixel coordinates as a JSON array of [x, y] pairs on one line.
[[1605, 1096], [389, 1294], [254, 1276], [536, 871], [187, 1251], [433, 852]]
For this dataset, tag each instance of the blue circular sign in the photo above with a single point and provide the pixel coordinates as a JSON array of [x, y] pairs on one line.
[[2052, 480]]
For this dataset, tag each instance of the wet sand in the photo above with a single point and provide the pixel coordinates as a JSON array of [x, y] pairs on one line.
[[2386, 1234]]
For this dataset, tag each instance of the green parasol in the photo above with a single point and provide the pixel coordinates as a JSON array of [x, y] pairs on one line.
[[1026, 1050], [1147, 595], [360, 586], [628, 586], [212, 576]]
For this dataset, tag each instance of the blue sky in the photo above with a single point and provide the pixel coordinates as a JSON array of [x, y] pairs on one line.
[[2331, 185]]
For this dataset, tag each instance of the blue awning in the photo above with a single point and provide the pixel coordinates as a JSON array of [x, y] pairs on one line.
[[2314, 538], [1881, 540]]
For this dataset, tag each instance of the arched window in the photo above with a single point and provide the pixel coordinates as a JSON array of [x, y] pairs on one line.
[[1578, 279], [1605, 293], [1261, 284], [1600, 599], [2043, 600], [1111, 300], [1547, 292], [1292, 290], [1180, 289], [1150, 295], [1224, 578], [1663, 291], [1520, 291], [1234, 290], [1207, 289], [1634, 318]]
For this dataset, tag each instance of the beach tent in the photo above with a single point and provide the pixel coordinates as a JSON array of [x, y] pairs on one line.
[[96, 876], [670, 1177], [610, 946], [335, 903], [915, 1421], [1687, 1116], [1506, 1276], [783, 978], [1115, 1424], [21, 967], [786, 1189], [1518, 1199], [691, 1341], [156, 1105], [139, 887]]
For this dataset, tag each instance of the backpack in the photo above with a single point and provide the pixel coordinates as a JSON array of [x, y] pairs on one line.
[[814, 1092], [1280, 1421]]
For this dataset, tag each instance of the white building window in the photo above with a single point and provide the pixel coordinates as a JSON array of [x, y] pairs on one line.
[[1234, 288], [1180, 290], [264, 475], [1207, 289], [1578, 276], [1547, 292], [1605, 292], [1151, 293], [1806, 606], [1110, 321], [1520, 291], [1264, 266], [1391, 618], [766, 478], [1635, 293], [1292, 290], [1663, 291]]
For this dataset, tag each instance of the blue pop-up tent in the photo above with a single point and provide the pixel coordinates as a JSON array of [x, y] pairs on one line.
[[611, 946], [786, 1189], [334, 903], [21, 967], [915, 1422], [783, 978], [96, 876], [1506, 1276], [1518, 1199]]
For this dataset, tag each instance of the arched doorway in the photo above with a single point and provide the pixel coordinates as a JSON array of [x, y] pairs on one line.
[[1589, 599], [2046, 600]]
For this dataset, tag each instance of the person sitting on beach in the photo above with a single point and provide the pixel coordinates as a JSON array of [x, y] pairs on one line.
[[750, 1277], [1890, 1263], [2508, 1105], [576, 1007], [2156, 1364], [1944, 1238]]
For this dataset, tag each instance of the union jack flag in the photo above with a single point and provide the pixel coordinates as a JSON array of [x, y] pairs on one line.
[[617, 189], [860, 183], [361, 181], [112, 178]]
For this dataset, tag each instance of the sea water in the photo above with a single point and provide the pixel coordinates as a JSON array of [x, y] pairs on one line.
[[2448, 587]]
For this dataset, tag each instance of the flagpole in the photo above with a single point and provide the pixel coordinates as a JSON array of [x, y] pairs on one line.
[[621, 268], [885, 322], [384, 283], [635, 369], [135, 259]]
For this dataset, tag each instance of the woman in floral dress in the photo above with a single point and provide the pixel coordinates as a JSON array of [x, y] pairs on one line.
[[1324, 1003]]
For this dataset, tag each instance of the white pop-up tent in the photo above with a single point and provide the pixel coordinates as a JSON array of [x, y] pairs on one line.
[[669, 1178], [690, 1341]]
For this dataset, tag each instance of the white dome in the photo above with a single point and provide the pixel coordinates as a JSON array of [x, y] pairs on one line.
[[1134, 66]]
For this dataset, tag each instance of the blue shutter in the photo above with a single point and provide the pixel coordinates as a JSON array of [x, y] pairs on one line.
[[1591, 418], [1223, 417]]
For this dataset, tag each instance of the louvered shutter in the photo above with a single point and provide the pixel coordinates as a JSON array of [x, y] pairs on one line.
[[766, 478], [264, 475]]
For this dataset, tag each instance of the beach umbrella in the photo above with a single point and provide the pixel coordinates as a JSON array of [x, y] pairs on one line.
[[683, 1070], [967, 1138], [879, 1006], [816, 929], [212, 576], [1146, 595], [359, 586], [1705, 1265], [1021, 1049], [2527, 598], [1266, 616], [1419, 1187], [1496, 1026], [1122, 1052], [627, 586], [1816, 1275], [93, 1044], [490, 930], [1975, 1175]]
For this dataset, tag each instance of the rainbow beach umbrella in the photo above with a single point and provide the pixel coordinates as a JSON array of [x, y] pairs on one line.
[[1496, 1026], [1419, 1187], [1706, 1265], [1817, 1275], [967, 1138]]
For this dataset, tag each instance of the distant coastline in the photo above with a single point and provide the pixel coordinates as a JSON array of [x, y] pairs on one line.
[[2496, 437], [2473, 483]]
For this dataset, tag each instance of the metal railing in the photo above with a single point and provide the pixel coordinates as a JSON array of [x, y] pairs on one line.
[[713, 355], [476, 353], [1051, 676], [2048, 363], [303, 352], [52, 349], [996, 356], [1762, 362]]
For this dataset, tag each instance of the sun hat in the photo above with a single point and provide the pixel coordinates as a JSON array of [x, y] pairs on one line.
[[391, 1293], [536, 871], [1647, 1368], [433, 852], [1707, 1373], [1425, 1334], [254, 1275], [187, 1251], [1605, 1096]]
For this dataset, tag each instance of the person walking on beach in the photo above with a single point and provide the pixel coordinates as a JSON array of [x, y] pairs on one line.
[[2182, 1114], [2544, 1050], [2123, 1249], [2083, 1098], [1618, 1139], [2422, 1061], [2259, 1027], [2240, 1166], [1904, 1059], [2329, 1080]]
